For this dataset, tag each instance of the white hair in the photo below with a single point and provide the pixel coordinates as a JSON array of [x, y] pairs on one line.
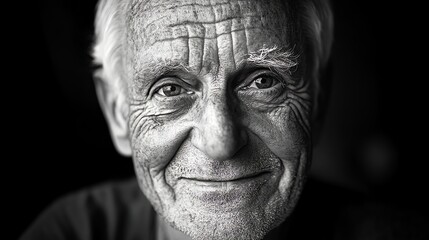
[[315, 16], [281, 59], [319, 24], [109, 40]]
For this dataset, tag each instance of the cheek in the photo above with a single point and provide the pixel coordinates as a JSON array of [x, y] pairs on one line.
[[285, 136], [154, 141], [154, 137], [155, 147], [281, 131]]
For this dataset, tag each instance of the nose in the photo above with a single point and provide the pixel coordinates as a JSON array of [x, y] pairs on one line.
[[219, 133]]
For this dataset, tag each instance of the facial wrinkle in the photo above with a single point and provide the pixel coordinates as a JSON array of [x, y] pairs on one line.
[[245, 30], [239, 40], [209, 50], [202, 40], [227, 18], [216, 17], [179, 30], [186, 37], [142, 126], [233, 44], [145, 116], [189, 44], [143, 171], [299, 102], [147, 23], [301, 86], [302, 100], [201, 53], [225, 46], [202, 13], [301, 117], [134, 118], [172, 4]]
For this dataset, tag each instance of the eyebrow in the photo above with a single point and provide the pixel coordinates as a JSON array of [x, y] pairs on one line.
[[280, 60]]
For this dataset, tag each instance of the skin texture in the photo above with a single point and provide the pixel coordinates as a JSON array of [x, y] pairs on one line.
[[218, 113]]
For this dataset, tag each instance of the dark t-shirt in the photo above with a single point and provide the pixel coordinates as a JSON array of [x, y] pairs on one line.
[[114, 210], [119, 210]]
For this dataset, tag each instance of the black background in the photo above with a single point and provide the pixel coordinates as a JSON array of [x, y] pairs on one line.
[[57, 140]]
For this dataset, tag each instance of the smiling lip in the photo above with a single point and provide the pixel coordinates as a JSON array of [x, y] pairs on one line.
[[234, 192], [241, 179]]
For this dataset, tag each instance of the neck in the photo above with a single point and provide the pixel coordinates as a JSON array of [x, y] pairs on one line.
[[279, 232], [166, 232]]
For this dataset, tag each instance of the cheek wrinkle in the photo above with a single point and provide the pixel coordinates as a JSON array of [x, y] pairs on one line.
[[301, 120], [134, 118]]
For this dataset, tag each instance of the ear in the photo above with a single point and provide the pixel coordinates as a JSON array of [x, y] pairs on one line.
[[325, 79], [115, 108]]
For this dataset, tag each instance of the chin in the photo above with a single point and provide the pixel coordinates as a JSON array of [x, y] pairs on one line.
[[250, 222]]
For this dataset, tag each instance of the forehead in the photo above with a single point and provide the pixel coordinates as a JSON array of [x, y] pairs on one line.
[[195, 31]]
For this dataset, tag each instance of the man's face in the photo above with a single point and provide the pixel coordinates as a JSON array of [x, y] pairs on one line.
[[218, 118]]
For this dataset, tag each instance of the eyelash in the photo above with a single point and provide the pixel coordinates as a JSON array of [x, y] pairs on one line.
[[266, 95], [266, 74], [171, 84], [167, 82], [269, 92]]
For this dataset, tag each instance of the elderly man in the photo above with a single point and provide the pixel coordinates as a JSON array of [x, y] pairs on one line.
[[217, 103]]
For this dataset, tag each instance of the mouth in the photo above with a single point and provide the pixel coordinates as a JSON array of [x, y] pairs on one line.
[[210, 181], [236, 191]]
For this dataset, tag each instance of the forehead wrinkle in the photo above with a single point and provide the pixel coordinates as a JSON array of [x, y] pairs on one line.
[[189, 33], [149, 26], [172, 4], [266, 21], [201, 10]]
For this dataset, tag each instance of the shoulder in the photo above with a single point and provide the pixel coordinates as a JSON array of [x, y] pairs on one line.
[[335, 212], [93, 213], [320, 207]]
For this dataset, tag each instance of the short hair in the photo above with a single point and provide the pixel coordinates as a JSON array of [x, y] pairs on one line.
[[314, 16], [109, 36]]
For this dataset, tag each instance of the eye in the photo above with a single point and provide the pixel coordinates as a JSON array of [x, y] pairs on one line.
[[263, 82], [170, 90], [262, 86]]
